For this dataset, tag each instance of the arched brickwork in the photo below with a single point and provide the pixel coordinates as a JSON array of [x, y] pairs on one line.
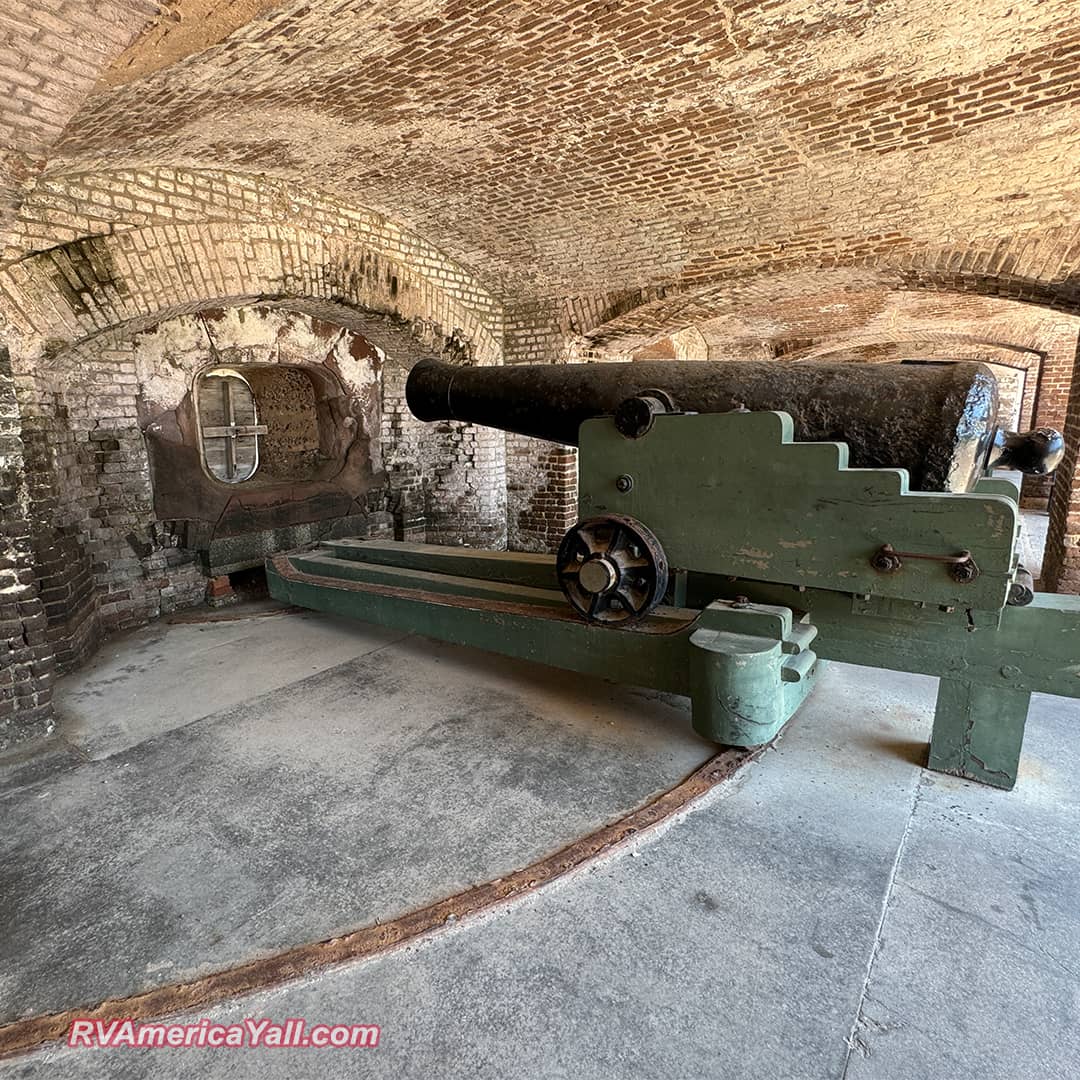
[[52, 55], [874, 348], [63, 209], [73, 292], [568, 148], [103, 560], [1041, 269]]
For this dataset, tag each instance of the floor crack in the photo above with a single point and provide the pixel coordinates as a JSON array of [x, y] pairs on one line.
[[854, 1042]]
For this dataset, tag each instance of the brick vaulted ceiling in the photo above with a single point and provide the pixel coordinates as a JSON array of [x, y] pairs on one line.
[[558, 146]]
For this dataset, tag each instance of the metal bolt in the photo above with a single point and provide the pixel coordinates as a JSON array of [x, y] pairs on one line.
[[624, 483], [886, 561], [963, 573]]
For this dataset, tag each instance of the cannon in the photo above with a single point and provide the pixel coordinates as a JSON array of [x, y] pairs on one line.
[[739, 525], [937, 420]]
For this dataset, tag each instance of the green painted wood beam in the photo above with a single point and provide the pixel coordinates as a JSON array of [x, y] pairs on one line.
[[1034, 648], [743, 669], [510, 567], [478, 586]]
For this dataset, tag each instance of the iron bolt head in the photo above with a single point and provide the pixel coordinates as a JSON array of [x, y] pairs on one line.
[[624, 483], [964, 572], [886, 561]]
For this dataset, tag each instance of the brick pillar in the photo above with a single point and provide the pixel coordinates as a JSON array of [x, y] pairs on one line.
[[62, 567], [1051, 402], [541, 484], [26, 659], [400, 441], [1061, 564]]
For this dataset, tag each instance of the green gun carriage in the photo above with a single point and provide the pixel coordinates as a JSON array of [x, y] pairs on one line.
[[739, 524]]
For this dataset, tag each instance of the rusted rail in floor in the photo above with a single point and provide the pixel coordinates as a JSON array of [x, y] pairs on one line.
[[26, 1034]]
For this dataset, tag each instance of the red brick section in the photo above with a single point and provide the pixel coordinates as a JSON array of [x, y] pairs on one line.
[[1061, 568], [541, 481], [1055, 382], [219, 592], [26, 658]]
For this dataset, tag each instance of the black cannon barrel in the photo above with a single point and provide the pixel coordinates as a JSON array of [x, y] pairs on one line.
[[937, 420]]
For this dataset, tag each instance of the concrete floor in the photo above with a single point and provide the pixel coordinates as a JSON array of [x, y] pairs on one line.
[[224, 790]]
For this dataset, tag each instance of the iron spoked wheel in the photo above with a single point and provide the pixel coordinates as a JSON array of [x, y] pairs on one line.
[[612, 569]]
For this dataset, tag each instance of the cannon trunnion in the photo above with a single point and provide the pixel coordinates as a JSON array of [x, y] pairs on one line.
[[740, 523]]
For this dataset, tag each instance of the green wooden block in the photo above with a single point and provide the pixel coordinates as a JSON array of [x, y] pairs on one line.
[[978, 732]]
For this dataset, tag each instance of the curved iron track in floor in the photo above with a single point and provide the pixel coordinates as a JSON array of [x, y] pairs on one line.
[[26, 1034]]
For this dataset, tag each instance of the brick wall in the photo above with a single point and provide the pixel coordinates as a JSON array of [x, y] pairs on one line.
[[541, 492], [1061, 568], [104, 557], [541, 477], [26, 658], [1055, 382], [102, 560]]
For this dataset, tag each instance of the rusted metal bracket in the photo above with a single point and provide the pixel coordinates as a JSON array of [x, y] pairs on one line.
[[961, 567]]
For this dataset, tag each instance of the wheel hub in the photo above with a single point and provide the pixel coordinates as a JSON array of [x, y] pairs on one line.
[[598, 574]]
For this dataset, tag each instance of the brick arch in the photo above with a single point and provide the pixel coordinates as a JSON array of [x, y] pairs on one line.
[[67, 306], [68, 207], [51, 60], [104, 559], [1041, 268], [137, 277]]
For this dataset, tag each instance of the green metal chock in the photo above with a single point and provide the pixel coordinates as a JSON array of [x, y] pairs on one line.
[[750, 669]]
